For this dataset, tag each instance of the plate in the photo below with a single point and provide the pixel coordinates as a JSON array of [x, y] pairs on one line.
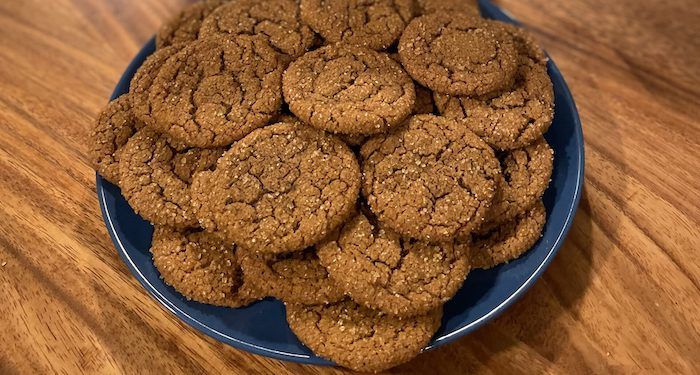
[[262, 329]]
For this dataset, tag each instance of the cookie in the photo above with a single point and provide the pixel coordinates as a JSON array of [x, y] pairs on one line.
[[526, 173], [277, 20], [524, 43], [470, 7], [509, 119], [115, 125], [296, 277], [141, 82], [215, 91], [431, 180], [359, 338], [156, 174], [508, 241], [374, 24], [380, 270], [458, 54], [349, 90], [185, 26], [200, 266], [281, 188]]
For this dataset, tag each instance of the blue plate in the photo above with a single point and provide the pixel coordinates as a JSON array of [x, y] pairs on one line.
[[262, 329]]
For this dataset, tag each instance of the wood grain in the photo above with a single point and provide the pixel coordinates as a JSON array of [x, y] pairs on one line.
[[623, 295]]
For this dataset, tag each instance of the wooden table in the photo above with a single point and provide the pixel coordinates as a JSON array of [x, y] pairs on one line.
[[622, 296]]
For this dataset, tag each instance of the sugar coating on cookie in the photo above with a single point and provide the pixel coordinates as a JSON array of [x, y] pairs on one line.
[[470, 7], [359, 338], [512, 118], [526, 173], [431, 179], [200, 266], [277, 20], [458, 54], [374, 24], [184, 27], [155, 176], [509, 240], [349, 90], [113, 128], [381, 270], [281, 188], [296, 277], [217, 90]]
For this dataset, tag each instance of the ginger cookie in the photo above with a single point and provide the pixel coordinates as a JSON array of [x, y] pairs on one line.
[[185, 26], [380, 270], [510, 240], [359, 338], [526, 173], [281, 188], [431, 180], [349, 90], [200, 266], [215, 91], [115, 125], [296, 277], [509, 119], [458, 54], [470, 7], [277, 20], [374, 24], [140, 84], [156, 174]]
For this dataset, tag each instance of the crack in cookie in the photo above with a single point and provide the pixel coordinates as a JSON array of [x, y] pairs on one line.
[[185, 26], [281, 188]]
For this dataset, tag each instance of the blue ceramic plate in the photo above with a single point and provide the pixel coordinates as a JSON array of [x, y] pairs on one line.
[[262, 329]]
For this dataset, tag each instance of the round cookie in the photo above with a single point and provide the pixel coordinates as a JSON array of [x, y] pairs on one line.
[[349, 90], [470, 7], [215, 91], [431, 180], [359, 338], [458, 54], [296, 277], [277, 20], [185, 26], [156, 174], [281, 188], [526, 173], [374, 24], [382, 271], [508, 241], [143, 79], [512, 118], [115, 125], [200, 266]]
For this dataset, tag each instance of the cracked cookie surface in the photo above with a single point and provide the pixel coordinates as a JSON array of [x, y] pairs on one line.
[[470, 7], [115, 125], [458, 54], [217, 90], [185, 26], [349, 90], [431, 180], [296, 277], [281, 188], [359, 338], [526, 173], [156, 174], [277, 20], [510, 240], [374, 24], [381, 270], [509, 119], [200, 266], [143, 79]]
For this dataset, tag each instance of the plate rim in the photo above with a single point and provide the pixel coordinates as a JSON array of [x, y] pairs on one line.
[[315, 360]]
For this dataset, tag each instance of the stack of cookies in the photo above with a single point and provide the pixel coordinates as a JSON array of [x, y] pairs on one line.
[[354, 159]]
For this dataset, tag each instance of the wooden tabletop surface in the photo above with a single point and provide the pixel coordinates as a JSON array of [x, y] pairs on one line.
[[622, 296]]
